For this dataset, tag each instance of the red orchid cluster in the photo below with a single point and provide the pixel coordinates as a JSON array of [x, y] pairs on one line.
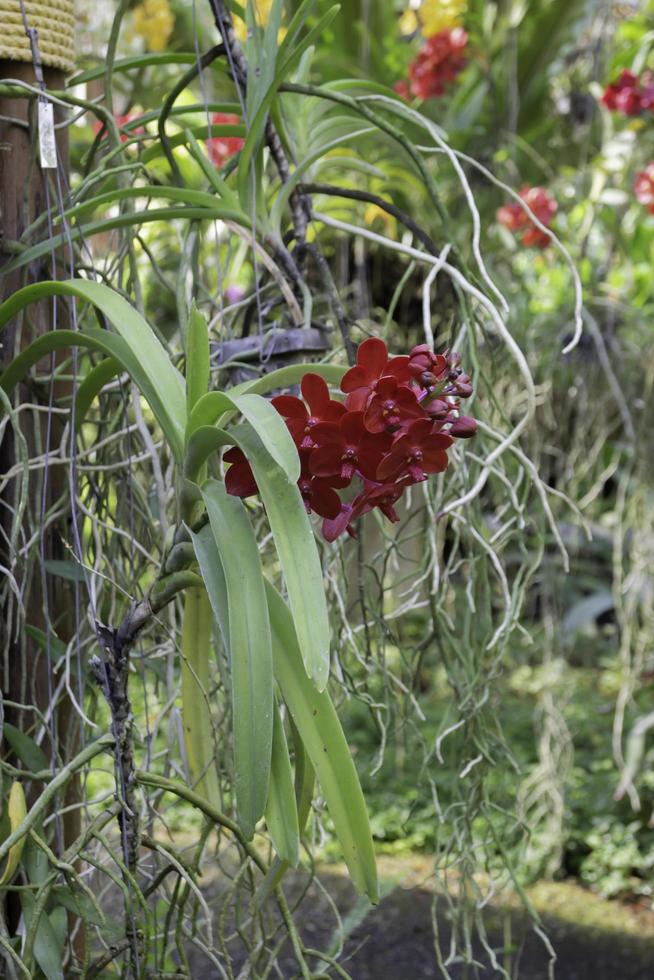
[[436, 65], [516, 219], [630, 95], [221, 148], [400, 416], [644, 187]]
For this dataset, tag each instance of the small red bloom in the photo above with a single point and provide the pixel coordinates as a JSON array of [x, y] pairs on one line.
[[239, 479], [346, 448], [438, 62], [415, 453], [301, 421], [515, 218], [319, 495], [390, 406], [221, 148], [381, 495], [360, 382], [644, 187]]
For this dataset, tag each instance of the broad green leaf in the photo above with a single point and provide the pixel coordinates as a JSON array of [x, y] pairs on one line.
[[262, 416], [298, 554], [30, 754], [107, 343], [250, 651], [148, 360], [92, 385], [197, 358], [17, 811], [80, 903], [47, 949], [281, 808], [322, 736], [211, 568], [196, 716], [72, 571], [290, 375]]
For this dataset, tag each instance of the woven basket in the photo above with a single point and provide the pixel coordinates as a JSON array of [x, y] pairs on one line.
[[55, 22]]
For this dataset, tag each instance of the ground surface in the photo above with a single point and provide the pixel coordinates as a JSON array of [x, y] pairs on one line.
[[593, 939]]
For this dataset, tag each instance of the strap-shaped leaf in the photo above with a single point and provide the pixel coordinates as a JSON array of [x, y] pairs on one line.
[[262, 416], [92, 385], [250, 651], [196, 716], [107, 343], [149, 363], [291, 375], [281, 808], [211, 567], [197, 358], [298, 554], [322, 735]]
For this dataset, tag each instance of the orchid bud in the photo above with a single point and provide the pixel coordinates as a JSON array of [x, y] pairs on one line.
[[464, 427]]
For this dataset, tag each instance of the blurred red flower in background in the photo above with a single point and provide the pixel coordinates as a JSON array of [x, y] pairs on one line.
[[629, 94], [438, 62], [515, 218], [221, 148], [644, 187]]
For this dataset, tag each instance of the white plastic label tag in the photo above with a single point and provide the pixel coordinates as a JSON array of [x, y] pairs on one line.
[[47, 145]]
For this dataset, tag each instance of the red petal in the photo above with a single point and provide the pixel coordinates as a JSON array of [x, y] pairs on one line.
[[368, 461], [234, 455], [357, 401], [324, 500], [239, 480], [334, 411], [355, 378], [315, 393], [352, 427], [434, 460], [326, 462], [386, 387], [290, 407], [372, 356], [398, 368], [327, 434], [374, 419], [391, 465], [331, 529]]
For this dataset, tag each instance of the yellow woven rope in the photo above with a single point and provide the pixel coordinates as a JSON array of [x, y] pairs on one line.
[[54, 21]]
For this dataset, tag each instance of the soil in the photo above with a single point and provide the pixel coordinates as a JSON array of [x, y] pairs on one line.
[[593, 939]]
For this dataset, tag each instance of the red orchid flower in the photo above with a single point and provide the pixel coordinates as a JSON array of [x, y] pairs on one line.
[[391, 405], [301, 421], [319, 495], [239, 479], [221, 148], [438, 62], [418, 451], [360, 382], [381, 495], [347, 447]]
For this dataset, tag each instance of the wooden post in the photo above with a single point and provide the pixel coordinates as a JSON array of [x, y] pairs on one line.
[[25, 672]]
